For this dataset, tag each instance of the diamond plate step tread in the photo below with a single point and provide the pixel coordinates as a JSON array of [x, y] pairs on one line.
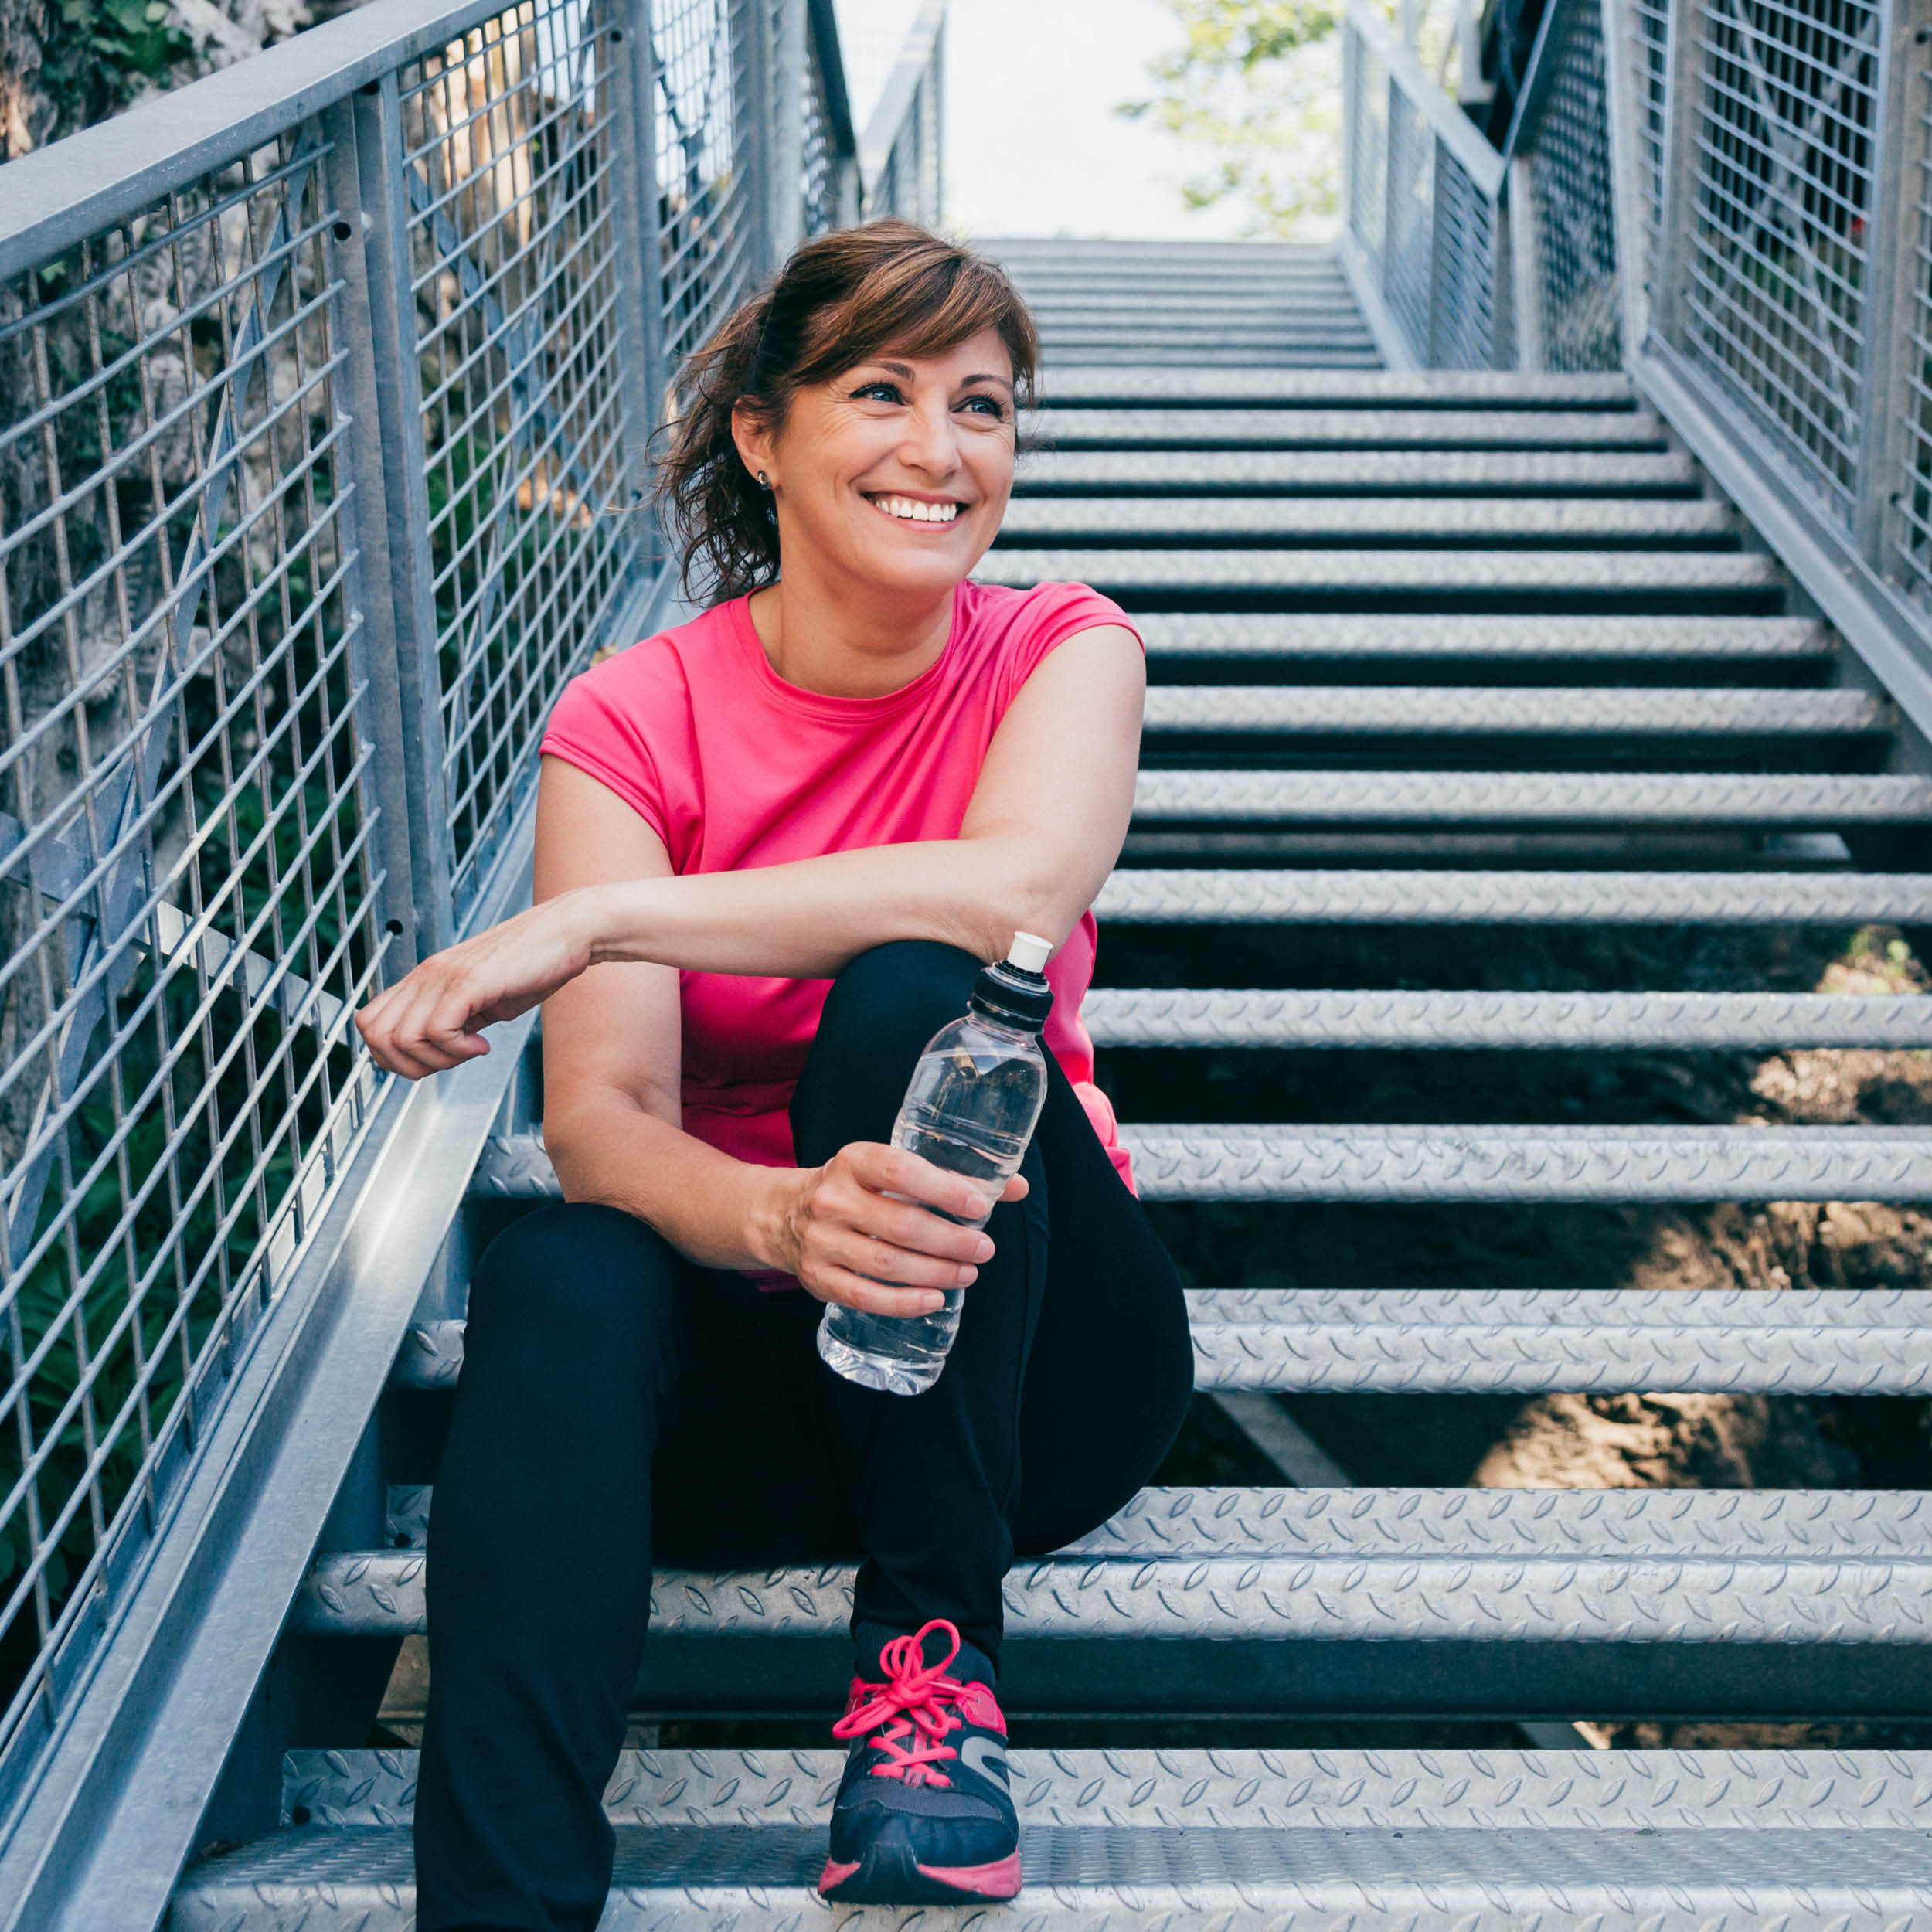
[[1263, 1162], [1415, 1341], [1620, 1566], [1067, 386], [1274, 1790], [1512, 710], [1458, 799], [1099, 427], [1617, 572], [1194, 896], [1147, 472], [1155, 521], [1223, 1017], [1235, 634], [1393, 1340], [684, 1879]]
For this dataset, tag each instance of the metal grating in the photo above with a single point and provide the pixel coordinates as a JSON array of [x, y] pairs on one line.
[[1368, 153], [1779, 258], [703, 164], [1409, 261], [1464, 331], [1570, 166], [509, 169], [185, 874], [819, 189]]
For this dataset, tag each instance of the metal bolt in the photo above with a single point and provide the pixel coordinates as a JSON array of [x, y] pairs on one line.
[[341, 230]]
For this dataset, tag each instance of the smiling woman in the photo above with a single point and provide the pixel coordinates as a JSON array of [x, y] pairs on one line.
[[774, 844]]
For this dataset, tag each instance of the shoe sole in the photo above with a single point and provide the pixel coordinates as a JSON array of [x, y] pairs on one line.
[[889, 1875]]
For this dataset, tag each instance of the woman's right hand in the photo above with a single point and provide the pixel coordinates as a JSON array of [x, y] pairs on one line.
[[432, 1018], [839, 1231]]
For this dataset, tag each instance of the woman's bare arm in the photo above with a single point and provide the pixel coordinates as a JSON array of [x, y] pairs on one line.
[[611, 1066], [1043, 829]]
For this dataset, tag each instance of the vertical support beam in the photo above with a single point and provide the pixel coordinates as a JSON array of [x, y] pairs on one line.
[[1351, 120], [399, 406], [628, 102], [1669, 315], [1526, 266], [1622, 105], [787, 179], [933, 129], [1892, 232], [751, 30], [374, 658]]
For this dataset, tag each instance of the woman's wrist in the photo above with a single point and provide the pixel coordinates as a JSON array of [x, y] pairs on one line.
[[768, 1233]]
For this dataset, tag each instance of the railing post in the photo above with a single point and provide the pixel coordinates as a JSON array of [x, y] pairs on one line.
[[375, 659], [1675, 249], [752, 32], [785, 184], [398, 401], [1626, 218], [633, 155], [1526, 266], [1892, 356]]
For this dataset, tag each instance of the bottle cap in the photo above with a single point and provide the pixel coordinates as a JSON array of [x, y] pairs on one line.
[[1029, 952]]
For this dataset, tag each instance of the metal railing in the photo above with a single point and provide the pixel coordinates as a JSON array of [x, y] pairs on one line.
[[1731, 198], [326, 391], [900, 149]]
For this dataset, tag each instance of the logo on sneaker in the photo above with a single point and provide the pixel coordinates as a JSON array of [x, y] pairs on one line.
[[984, 1756]]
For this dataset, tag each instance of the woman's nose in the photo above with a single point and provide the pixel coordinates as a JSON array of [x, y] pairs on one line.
[[929, 442]]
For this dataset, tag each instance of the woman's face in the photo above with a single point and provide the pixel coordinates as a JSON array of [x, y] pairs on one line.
[[898, 471]]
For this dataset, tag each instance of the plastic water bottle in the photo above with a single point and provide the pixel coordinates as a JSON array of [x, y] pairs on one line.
[[974, 1101]]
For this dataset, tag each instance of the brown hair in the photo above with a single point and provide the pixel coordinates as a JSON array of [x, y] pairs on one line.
[[841, 299]]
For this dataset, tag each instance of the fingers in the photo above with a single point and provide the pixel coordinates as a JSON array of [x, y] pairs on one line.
[[891, 1170], [870, 1297], [861, 1253]]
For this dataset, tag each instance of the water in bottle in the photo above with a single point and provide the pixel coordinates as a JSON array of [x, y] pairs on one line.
[[974, 1100]]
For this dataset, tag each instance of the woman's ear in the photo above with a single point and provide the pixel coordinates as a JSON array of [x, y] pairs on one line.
[[754, 441]]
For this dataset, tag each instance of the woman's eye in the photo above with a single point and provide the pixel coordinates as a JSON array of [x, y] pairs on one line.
[[988, 406], [885, 392]]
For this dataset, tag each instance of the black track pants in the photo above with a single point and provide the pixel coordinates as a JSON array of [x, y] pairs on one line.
[[620, 1404]]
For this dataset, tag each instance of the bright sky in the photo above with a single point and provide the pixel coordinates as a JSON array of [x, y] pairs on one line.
[[1033, 146]]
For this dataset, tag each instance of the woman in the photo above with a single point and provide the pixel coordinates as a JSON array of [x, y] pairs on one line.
[[773, 846]]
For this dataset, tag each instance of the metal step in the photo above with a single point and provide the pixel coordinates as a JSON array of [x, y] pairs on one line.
[[1575, 522], [1526, 1341], [1490, 711], [1194, 896], [1067, 386], [1347, 473], [1388, 575], [1475, 1566], [1415, 1341], [1231, 1017], [1140, 1841], [1624, 801], [1341, 361], [1291, 638], [1263, 1162], [1317, 428]]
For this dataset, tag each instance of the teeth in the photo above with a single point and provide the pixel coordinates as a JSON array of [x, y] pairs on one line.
[[909, 511]]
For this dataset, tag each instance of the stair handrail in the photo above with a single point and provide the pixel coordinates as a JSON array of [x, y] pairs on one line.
[[900, 151], [315, 371]]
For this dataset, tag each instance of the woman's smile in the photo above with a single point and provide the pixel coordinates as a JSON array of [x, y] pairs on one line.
[[903, 509]]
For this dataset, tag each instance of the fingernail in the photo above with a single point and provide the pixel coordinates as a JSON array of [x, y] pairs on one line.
[[984, 1251], [933, 1304], [966, 1275]]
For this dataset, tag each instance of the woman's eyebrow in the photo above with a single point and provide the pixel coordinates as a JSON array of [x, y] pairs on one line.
[[998, 382]]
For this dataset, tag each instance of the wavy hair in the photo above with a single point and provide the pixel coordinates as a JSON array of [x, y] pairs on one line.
[[841, 299]]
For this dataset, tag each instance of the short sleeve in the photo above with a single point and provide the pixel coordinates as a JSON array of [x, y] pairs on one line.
[[1047, 616], [604, 723]]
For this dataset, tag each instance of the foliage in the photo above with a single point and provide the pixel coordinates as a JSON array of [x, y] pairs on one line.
[[1257, 83], [101, 54]]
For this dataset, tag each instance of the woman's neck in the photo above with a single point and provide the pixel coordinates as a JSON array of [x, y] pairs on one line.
[[844, 647]]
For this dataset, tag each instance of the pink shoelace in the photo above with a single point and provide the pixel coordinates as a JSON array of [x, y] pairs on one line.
[[910, 1706]]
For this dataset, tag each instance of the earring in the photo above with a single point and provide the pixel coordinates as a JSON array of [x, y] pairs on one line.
[[765, 482]]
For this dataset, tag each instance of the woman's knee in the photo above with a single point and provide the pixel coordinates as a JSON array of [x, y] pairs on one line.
[[582, 1289], [898, 993]]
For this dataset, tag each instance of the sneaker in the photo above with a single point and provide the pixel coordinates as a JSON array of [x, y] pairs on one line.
[[924, 1814]]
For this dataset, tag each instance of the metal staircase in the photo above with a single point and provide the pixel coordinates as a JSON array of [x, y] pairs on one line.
[[1473, 652]]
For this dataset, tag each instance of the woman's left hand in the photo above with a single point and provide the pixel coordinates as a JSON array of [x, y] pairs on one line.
[[429, 1020]]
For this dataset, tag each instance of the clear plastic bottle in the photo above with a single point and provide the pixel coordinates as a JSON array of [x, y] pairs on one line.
[[975, 1099]]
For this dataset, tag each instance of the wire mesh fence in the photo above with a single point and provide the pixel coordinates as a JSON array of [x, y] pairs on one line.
[[186, 874], [318, 474], [507, 159]]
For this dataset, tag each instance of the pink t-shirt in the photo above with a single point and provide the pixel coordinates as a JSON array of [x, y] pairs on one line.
[[733, 767]]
